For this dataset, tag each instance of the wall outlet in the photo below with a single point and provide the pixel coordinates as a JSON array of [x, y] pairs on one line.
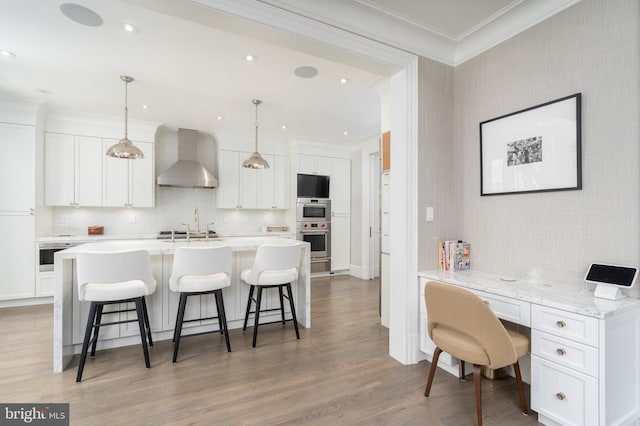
[[132, 218]]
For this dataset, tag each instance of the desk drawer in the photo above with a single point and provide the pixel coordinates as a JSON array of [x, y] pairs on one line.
[[562, 395], [568, 353], [569, 325], [506, 308]]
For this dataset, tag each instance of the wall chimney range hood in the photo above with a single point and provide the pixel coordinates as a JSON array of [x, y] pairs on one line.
[[187, 172]]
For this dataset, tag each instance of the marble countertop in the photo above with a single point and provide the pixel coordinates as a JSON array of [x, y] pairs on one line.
[[54, 238], [160, 247], [572, 296]]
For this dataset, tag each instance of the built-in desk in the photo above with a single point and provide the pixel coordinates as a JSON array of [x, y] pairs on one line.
[[585, 352]]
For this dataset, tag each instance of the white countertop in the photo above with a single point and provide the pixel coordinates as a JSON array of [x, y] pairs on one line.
[[160, 247], [54, 238], [568, 296]]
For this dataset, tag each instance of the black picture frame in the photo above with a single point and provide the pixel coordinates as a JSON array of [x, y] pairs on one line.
[[537, 149]]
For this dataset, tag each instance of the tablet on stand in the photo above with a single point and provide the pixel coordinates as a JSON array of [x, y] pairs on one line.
[[610, 279]]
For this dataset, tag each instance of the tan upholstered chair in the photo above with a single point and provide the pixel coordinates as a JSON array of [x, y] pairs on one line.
[[462, 325]]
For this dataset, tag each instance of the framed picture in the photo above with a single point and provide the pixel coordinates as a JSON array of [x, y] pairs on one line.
[[533, 150]]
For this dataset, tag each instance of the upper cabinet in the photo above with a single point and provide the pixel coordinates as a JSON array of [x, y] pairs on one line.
[[340, 186], [242, 188], [128, 183], [311, 165], [17, 167]]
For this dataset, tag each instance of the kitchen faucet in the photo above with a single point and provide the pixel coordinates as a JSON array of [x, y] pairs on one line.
[[197, 217]]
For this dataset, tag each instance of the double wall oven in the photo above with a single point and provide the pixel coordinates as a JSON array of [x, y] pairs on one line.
[[313, 218]]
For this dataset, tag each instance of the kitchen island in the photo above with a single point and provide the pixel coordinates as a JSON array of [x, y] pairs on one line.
[[70, 315]]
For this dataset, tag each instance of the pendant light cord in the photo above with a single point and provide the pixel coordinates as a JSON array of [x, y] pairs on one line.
[[257, 103], [126, 110]]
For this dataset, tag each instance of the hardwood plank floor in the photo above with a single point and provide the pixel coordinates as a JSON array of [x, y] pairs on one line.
[[339, 372]]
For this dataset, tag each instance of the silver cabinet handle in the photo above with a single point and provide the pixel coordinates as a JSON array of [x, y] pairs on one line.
[[560, 396], [560, 324], [560, 351]]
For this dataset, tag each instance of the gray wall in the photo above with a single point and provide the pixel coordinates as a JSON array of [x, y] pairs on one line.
[[593, 48], [436, 172]]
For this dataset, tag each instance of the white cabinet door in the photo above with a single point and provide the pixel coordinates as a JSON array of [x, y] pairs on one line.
[[17, 167], [340, 186], [281, 183], [59, 170], [129, 183], [311, 165], [88, 171], [17, 256], [273, 184], [142, 183], [115, 178], [228, 179], [340, 242], [248, 190]]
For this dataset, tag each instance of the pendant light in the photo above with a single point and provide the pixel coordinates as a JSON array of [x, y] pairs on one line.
[[125, 148], [255, 161]]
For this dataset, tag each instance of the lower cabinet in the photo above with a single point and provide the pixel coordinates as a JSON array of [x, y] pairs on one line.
[[17, 257], [340, 242]]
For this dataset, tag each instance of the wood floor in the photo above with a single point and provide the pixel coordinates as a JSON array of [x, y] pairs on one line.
[[338, 373]]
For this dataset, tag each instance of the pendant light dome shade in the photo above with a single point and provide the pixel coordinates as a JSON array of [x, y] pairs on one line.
[[125, 148], [255, 160]]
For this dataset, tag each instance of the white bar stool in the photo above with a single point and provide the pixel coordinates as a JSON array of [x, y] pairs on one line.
[[107, 278], [274, 266], [197, 271]]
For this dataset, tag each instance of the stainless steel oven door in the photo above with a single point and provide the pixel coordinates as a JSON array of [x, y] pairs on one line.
[[312, 210], [320, 241], [46, 252]]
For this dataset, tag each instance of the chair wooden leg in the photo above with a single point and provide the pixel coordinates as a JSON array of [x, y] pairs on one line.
[[462, 373], [143, 331], [432, 370], [293, 310], [477, 377], [257, 316], [87, 338], [246, 315], [523, 400], [178, 330], [222, 317]]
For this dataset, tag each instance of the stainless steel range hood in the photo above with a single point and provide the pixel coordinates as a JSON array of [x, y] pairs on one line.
[[187, 172]]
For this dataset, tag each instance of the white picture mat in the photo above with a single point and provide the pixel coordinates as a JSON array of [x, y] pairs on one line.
[[556, 124]]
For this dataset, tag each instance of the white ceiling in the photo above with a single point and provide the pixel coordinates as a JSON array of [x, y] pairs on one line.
[[188, 60]]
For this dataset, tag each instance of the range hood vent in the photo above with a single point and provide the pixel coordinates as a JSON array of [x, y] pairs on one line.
[[187, 172]]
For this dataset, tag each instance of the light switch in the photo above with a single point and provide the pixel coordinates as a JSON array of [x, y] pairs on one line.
[[429, 214]]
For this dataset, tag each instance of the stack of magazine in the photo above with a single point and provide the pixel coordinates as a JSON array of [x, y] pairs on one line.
[[454, 255]]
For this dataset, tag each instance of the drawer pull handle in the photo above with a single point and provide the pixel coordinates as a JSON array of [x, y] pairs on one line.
[[560, 351], [560, 396], [560, 324]]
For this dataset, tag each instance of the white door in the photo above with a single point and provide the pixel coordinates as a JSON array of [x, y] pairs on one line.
[[374, 215], [59, 170], [340, 186], [17, 256], [141, 179], [17, 167], [88, 165], [340, 242]]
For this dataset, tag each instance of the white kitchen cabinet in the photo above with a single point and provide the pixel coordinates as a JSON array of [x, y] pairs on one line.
[[17, 257], [340, 242], [274, 184], [128, 183], [73, 170], [314, 165], [340, 186], [44, 284], [17, 167], [242, 188]]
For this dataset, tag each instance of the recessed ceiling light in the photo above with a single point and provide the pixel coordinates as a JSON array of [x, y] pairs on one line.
[[7, 53], [130, 28], [145, 106], [80, 14], [344, 80], [306, 71], [345, 133], [219, 117], [284, 127], [251, 58]]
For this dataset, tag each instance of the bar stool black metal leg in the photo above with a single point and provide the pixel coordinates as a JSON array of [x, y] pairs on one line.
[[87, 338], [96, 329], [293, 310], [246, 316], [143, 333], [222, 318], [146, 320], [257, 317], [281, 303], [215, 294], [179, 320]]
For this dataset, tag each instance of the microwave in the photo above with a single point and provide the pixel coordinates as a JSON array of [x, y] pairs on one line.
[[313, 210]]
